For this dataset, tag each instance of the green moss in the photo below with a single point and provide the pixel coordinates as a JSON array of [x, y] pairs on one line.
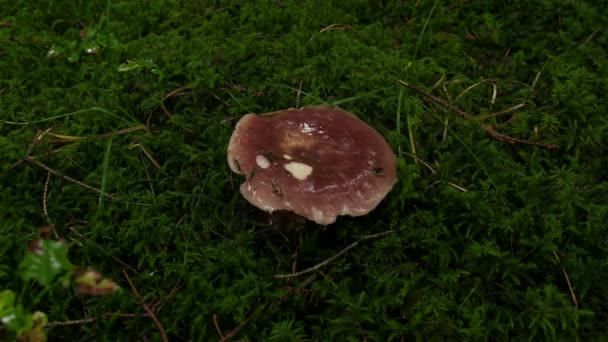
[[489, 262]]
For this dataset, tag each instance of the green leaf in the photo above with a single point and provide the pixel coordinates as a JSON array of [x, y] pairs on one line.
[[12, 315], [130, 65], [45, 262]]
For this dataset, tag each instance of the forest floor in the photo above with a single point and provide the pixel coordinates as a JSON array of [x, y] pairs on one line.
[[114, 122]]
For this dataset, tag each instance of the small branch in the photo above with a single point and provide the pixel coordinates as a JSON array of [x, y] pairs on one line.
[[574, 300], [242, 325], [456, 186], [217, 327], [259, 309], [175, 92], [67, 178], [39, 135], [92, 319], [510, 140], [159, 326], [336, 27], [438, 100], [159, 304], [45, 195], [334, 257], [488, 128], [73, 322]]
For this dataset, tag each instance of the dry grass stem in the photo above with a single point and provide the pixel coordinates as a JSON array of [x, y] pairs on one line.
[[428, 166], [502, 112]]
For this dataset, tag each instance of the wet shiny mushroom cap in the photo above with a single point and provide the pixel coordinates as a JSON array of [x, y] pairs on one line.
[[319, 162]]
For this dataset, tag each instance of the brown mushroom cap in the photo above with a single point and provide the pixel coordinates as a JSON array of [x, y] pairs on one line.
[[319, 162]]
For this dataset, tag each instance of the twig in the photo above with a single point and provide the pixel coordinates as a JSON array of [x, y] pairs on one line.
[[217, 327], [177, 91], [159, 326], [45, 194], [567, 281], [159, 304], [35, 141], [72, 322], [242, 325], [438, 100], [510, 140], [334, 257], [488, 128], [91, 319], [336, 27], [456, 186], [259, 309], [69, 179], [173, 93]]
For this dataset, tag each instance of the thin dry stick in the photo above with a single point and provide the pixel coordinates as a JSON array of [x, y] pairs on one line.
[[92, 319], [456, 186], [242, 325], [259, 309], [488, 128], [39, 135], [73, 322], [159, 326], [567, 281], [69, 179], [510, 140], [45, 194], [438, 100], [176, 92], [159, 304], [217, 327], [335, 27], [336, 256]]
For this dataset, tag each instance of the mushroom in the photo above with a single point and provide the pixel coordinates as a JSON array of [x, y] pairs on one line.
[[319, 162]]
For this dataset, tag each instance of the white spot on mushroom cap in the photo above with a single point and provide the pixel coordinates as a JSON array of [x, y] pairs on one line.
[[287, 156], [298, 170], [262, 162]]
